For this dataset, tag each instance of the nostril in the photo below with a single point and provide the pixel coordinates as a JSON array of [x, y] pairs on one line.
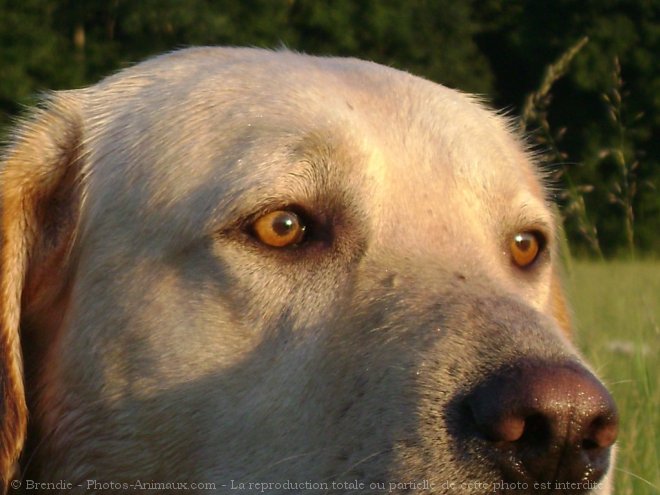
[[589, 444], [495, 427], [509, 428], [602, 432], [538, 431]]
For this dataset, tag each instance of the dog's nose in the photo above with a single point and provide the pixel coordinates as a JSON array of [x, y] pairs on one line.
[[546, 422]]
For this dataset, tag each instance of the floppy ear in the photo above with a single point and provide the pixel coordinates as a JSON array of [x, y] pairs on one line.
[[560, 309], [39, 203], [558, 303]]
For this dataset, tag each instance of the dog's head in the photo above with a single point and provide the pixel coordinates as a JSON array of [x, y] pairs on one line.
[[236, 266]]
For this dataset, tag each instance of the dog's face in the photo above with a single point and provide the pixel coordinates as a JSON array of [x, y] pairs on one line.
[[237, 266]]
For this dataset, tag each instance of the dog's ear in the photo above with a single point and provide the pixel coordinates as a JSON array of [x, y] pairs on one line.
[[561, 259], [39, 203], [560, 309]]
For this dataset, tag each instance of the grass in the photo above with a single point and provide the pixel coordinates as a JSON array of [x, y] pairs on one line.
[[617, 316]]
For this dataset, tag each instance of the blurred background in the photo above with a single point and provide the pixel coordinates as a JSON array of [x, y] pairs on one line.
[[580, 77], [599, 123]]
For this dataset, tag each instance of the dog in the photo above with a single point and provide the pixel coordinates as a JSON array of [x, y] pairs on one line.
[[233, 269]]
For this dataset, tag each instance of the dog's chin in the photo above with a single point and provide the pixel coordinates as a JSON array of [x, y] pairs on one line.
[[468, 486], [605, 486], [475, 475], [504, 481]]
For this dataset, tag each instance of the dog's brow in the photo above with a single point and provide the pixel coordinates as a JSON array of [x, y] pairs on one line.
[[533, 214], [306, 178]]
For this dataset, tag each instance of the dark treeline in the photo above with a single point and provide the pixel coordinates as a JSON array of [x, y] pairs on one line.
[[600, 123]]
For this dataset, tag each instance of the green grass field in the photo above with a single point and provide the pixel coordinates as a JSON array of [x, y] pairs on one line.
[[617, 315]]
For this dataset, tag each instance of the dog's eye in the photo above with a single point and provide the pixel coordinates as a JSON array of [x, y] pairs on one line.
[[279, 228], [525, 248]]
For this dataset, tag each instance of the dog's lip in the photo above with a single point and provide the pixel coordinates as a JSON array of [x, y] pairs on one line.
[[516, 472]]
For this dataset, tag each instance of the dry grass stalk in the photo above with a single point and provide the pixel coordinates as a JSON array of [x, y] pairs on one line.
[[535, 111]]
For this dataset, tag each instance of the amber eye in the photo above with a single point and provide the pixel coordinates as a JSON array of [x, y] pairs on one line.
[[279, 228], [525, 248]]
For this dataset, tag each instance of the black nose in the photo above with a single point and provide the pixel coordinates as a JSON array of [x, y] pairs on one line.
[[546, 422]]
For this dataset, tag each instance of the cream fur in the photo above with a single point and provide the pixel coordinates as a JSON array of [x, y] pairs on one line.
[[163, 343]]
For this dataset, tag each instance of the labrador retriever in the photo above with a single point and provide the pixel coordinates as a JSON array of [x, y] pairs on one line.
[[239, 270]]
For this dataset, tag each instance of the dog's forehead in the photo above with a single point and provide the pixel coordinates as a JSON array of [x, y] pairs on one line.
[[203, 129]]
